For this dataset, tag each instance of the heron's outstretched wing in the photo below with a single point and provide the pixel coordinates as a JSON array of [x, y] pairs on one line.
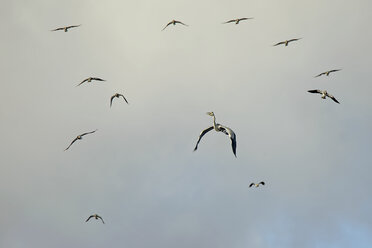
[[83, 81], [333, 98], [88, 133], [71, 143], [124, 98], [279, 43], [201, 135], [101, 219], [251, 185], [167, 25], [232, 136], [89, 218], [181, 23], [315, 91]]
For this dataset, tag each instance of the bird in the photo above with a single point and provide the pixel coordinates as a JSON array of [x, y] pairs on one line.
[[66, 28], [96, 216], [286, 42], [117, 95], [238, 20], [219, 128], [89, 79], [324, 94], [327, 72], [174, 23], [79, 137], [256, 184]]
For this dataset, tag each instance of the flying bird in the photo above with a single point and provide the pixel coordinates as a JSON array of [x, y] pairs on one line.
[[256, 184], [219, 128], [324, 94], [238, 20], [79, 137], [89, 79], [117, 95], [96, 216], [66, 28], [327, 72], [174, 22], [286, 42]]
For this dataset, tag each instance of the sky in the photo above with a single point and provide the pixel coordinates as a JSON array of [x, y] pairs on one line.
[[139, 171]]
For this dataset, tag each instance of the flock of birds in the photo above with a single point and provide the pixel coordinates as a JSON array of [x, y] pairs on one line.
[[215, 126]]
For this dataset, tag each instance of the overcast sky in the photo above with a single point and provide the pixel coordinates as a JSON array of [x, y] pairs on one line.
[[139, 171]]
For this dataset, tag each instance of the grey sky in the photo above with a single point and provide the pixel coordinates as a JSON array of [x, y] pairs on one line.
[[138, 170]]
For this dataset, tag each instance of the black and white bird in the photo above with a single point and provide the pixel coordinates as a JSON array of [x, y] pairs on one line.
[[174, 22], [238, 20], [96, 216], [286, 42], [117, 95], [79, 137], [90, 79], [324, 94], [327, 72], [66, 28], [219, 128], [256, 184]]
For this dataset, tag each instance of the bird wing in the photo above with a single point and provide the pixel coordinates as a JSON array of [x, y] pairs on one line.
[[88, 133], [167, 25], [333, 98], [294, 39], [181, 23], [112, 98], [58, 29], [232, 136], [245, 18], [334, 70], [201, 135], [279, 43], [89, 218], [251, 185], [124, 98], [73, 26], [263, 183], [315, 91], [71, 143], [234, 20], [320, 74], [98, 79], [83, 81], [101, 219]]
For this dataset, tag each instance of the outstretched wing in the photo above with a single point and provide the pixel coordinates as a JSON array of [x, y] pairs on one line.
[[71, 143], [294, 39], [333, 98], [234, 20], [58, 29], [101, 219], [88, 133], [251, 185], [83, 81], [201, 135], [315, 91], [112, 98], [279, 43], [320, 74], [73, 26], [263, 183], [181, 23], [167, 25], [98, 79], [334, 70], [232, 136], [124, 98], [245, 18], [89, 218]]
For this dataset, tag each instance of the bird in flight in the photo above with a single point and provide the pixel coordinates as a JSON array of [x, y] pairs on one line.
[[286, 42], [174, 22], [327, 72], [238, 20], [256, 184], [79, 137], [89, 79], [324, 94], [96, 216], [66, 28], [219, 128], [117, 95]]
